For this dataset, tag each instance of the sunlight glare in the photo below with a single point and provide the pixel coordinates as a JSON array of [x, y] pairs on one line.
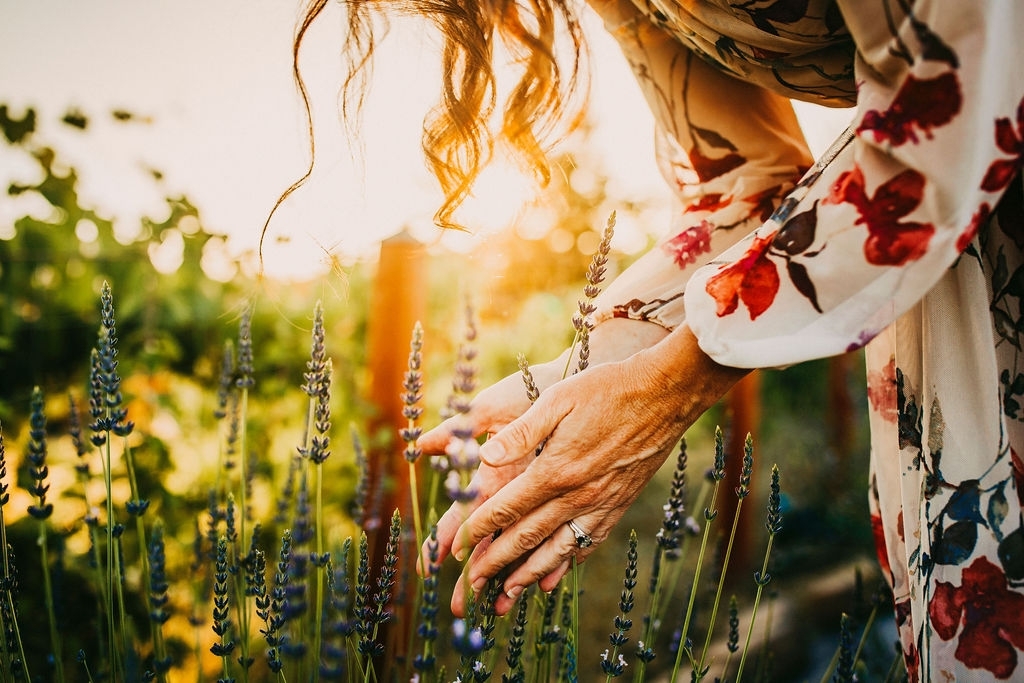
[[86, 230], [167, 256], [217, 262], [498, 198]]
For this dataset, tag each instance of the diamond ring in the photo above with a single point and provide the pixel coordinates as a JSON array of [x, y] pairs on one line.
[[583, 539]]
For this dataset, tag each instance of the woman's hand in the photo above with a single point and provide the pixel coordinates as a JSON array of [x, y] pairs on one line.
[[605, 432], [501, 403]]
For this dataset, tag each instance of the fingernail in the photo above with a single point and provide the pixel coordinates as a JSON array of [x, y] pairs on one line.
[[459, 554], [479, 584], [492, 453], [514, 592]]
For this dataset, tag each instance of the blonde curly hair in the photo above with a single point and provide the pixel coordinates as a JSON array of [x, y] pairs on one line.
[[458, 140]]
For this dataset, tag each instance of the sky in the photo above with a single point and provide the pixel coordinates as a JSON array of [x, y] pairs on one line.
[[220, 117]]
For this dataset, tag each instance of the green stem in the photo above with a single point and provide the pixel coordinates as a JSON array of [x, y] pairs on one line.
[[417, 523], [896, 667], [243, 513], [757, 600], [243, 466], [55, 641], [122, 611], [709, 516], [9, 596], [718, 593], [320, 569], [419, 541], [831, 667], [575, 604], [114, 659], [864, 635]]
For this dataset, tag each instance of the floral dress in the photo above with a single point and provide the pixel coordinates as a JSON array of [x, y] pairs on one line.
[[906, 238]]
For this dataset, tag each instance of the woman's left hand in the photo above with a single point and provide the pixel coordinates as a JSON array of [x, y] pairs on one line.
[[605, 432]]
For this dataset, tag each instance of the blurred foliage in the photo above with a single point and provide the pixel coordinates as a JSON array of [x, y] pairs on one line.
[[54, 259]]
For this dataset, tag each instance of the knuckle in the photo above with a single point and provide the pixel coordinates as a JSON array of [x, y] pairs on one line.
[[528, 539], [503, 516], [516, 435]]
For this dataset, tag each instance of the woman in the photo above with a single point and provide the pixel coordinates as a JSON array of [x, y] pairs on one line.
[[906, 237]]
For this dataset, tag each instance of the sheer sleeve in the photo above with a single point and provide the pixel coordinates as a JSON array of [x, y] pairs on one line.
[[729, 150], [937, 137]]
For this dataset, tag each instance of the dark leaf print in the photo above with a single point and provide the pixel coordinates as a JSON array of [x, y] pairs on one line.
[[713, 138], [1009, 210], [1015, 285], [998, 506], [726, 48], [1000, 274], [919, 105], [1011, 555], [954, 544], [764, 203], [909, 420], [834, 18], [780, 12], [707, 168], [933, 48], [802, 282], [797, 235], [965, 503], [1004, 326], [1011, 406], [1018, 475]]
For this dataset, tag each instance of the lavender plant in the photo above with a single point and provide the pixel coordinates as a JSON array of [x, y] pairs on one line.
[[321, 607]]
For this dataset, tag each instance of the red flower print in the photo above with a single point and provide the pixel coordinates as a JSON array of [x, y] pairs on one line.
[[1011, 142], [980, 216], [921, 104], [878, 532], [709, 202], [882, 392], [986, 615], [753, 279], [890, 242], [685, 247]]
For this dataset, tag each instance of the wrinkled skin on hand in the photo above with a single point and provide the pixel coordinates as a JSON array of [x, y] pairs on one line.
[[605, 432]]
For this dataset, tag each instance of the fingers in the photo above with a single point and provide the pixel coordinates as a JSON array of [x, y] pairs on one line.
[[490, 410], [447, 527], [521, 437], [520, 496], [463, 588], [544, 561], [545, 566], [434, 441]]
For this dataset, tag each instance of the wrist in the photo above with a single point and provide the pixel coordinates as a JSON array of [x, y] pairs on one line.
[[688, 374]]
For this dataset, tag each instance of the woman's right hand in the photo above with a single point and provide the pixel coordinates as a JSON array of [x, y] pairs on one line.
[[504, 401]]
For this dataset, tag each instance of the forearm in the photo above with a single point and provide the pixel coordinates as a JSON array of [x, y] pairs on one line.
[[687, 375]]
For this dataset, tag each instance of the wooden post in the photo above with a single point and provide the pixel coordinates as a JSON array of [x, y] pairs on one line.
[[398, 301], [840, 420]]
